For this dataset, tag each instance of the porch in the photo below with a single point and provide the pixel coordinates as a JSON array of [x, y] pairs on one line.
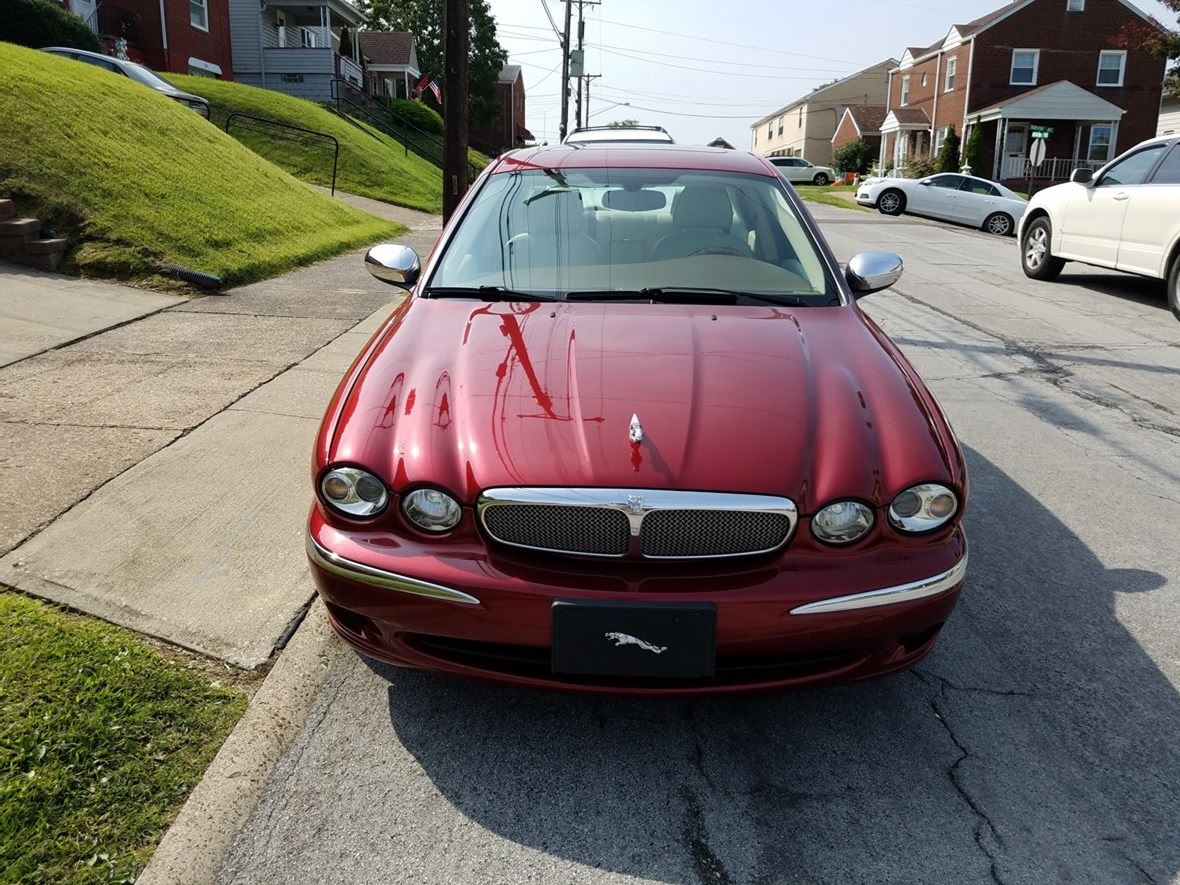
[[1079, 129], [305, 47], [904, 134]]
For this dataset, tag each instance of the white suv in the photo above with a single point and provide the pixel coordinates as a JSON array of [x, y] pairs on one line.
[[798, 170], [1125, 216]]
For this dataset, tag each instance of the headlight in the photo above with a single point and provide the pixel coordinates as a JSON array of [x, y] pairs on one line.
[[353, 492], [923, 508], [432, 510], [842, 522]]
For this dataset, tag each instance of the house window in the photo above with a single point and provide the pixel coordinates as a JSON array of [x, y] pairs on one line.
[[1075, 5], [905, 91], [309, 38], [951, 65], [923, 78], [198, 14], [1099, 143], [770, 129], [1111, 65], [799, 122], [1024, 67], [780, 126]]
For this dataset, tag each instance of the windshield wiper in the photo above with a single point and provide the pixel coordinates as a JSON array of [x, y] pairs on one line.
[[681, 294], [486, 293]]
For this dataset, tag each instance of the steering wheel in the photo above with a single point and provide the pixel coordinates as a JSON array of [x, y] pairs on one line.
[[720, 250]]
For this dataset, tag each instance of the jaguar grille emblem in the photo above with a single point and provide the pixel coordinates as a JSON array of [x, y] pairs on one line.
[[635, 504], [636, 432], [627, 639]]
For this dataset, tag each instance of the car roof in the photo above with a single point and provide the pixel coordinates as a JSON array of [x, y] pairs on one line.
[[72, 51], [633, 156]]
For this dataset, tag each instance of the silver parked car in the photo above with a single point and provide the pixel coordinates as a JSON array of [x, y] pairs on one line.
[[800, 171], [963, 199], [136, 72]]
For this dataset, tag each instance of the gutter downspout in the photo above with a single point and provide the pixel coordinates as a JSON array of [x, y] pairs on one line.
[[937, 89], [261, 51], [164, 37], [884, 137], [967, 99]]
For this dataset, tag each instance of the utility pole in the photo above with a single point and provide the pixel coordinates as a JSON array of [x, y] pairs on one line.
[[565, 72], [582, 56], [456, 39]]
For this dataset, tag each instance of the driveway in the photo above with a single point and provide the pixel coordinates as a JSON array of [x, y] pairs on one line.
[[1037, 743]]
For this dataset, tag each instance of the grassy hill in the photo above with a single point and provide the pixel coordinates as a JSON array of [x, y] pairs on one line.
[[135, 180], [372, 163]]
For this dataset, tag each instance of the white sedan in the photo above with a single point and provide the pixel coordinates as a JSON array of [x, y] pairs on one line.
[[963, 199], [1125, 216]]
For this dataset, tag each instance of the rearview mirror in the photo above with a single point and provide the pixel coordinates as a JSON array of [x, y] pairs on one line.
[[394, 263], [869, 272], [634, 201], [1082, 176]]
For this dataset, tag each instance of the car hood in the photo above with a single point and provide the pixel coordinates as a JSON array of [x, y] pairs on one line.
[[806, 403]]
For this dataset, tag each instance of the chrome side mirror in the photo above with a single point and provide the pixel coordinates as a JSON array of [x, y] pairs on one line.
[[926, 182], [869, 272], [1082, 176], [394, 264]]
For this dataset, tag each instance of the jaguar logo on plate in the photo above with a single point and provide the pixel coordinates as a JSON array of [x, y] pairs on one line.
[[628, 639]]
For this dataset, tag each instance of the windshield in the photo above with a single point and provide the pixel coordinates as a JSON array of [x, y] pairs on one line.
[[553, 232], [146, 77]]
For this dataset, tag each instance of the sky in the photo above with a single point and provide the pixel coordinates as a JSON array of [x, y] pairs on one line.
[[708, 68]]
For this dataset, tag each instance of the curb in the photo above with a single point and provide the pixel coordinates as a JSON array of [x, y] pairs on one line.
[[194, 849]]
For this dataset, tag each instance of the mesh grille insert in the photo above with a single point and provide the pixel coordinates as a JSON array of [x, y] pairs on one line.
[[711, 532], [560, 528]]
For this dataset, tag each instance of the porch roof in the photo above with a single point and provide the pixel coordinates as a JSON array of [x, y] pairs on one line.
[[1062, 100], [905, 118], [343, 11]]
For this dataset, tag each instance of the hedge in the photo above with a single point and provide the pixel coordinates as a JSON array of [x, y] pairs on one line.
[[39, 23]]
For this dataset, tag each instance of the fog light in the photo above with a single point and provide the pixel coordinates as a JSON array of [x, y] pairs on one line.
[[923, 508]]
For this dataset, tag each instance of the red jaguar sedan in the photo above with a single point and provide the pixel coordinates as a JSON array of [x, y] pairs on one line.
[[631, 433]]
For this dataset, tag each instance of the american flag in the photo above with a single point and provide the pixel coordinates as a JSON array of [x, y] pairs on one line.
[[435, 89]]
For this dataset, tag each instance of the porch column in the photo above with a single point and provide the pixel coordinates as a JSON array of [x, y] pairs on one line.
[[328, 27], [1114, 140], [1001, 137], [1077, 141]]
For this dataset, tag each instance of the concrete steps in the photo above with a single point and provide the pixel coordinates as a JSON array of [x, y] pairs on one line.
[[21, 241]]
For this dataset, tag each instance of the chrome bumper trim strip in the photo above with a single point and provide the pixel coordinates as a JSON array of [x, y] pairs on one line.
[[889, 595], [366, 574]]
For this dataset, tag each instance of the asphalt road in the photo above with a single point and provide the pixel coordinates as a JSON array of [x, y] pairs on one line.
[[1038, 743]]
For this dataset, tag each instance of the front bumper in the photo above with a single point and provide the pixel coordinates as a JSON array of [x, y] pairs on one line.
[[777, 626], [865, 197]]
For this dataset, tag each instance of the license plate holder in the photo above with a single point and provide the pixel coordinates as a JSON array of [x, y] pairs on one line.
[[634, 639]]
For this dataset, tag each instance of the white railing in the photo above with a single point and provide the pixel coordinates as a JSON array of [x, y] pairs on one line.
[[1053, 169], [349, 70]]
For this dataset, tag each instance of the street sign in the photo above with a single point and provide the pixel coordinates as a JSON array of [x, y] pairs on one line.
[[1041, 131], [1036, 154]]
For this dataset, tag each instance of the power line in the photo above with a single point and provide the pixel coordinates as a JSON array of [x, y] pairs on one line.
[[668, 64]]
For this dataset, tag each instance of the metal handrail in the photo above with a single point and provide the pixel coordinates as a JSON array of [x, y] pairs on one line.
[[432, 150], [287, 132]]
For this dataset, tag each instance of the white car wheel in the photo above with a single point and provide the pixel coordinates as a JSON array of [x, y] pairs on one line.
[[891, 202], [999, 224], [1036, 248]]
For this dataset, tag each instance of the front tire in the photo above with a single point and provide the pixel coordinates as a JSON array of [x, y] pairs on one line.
[[821, 180], [1174, 287], [1036, 255], [1000, 224], [892, 202]]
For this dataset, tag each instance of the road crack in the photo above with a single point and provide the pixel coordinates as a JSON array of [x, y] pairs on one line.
[[709, 868]]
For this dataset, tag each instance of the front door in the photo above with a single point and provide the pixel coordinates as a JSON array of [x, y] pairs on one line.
[[1015, 151]]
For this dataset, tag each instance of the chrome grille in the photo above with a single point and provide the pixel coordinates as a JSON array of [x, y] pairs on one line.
[[590, 530], [656, 524], [686, 533]]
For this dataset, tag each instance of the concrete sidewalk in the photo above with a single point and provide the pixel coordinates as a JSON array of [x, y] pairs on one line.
[[177, 449]]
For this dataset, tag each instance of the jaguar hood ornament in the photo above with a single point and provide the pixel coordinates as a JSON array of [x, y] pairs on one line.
[[628, 639]]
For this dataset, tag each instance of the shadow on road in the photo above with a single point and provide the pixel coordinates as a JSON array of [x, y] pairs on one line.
[[1140, 290], [1038, 743]]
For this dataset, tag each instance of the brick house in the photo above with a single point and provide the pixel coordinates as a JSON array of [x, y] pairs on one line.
[[804, 128], [181, 36], [859, 121], [1045, 63], [391, 59], [508, 130]]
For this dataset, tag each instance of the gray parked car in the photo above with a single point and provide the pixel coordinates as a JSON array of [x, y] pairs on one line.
[[136, 72]]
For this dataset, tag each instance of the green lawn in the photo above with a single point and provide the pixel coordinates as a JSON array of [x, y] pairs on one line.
[[372, 164], [830, 196], [101, 740], [136, 180]]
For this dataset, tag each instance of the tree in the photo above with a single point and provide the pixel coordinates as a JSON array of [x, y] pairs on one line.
[[856, 156], [423, 19], [973, 151], [37, 23], [1159, 41], [948, 154], [622, 124]]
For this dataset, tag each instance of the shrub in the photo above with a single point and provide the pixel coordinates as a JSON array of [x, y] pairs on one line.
[[973, 151], [39, 23], [856, 156], [418, 114], [948, 154], [919, 166]]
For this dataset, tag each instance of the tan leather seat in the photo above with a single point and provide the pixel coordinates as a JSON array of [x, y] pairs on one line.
[[703, 218], [555, 235]]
